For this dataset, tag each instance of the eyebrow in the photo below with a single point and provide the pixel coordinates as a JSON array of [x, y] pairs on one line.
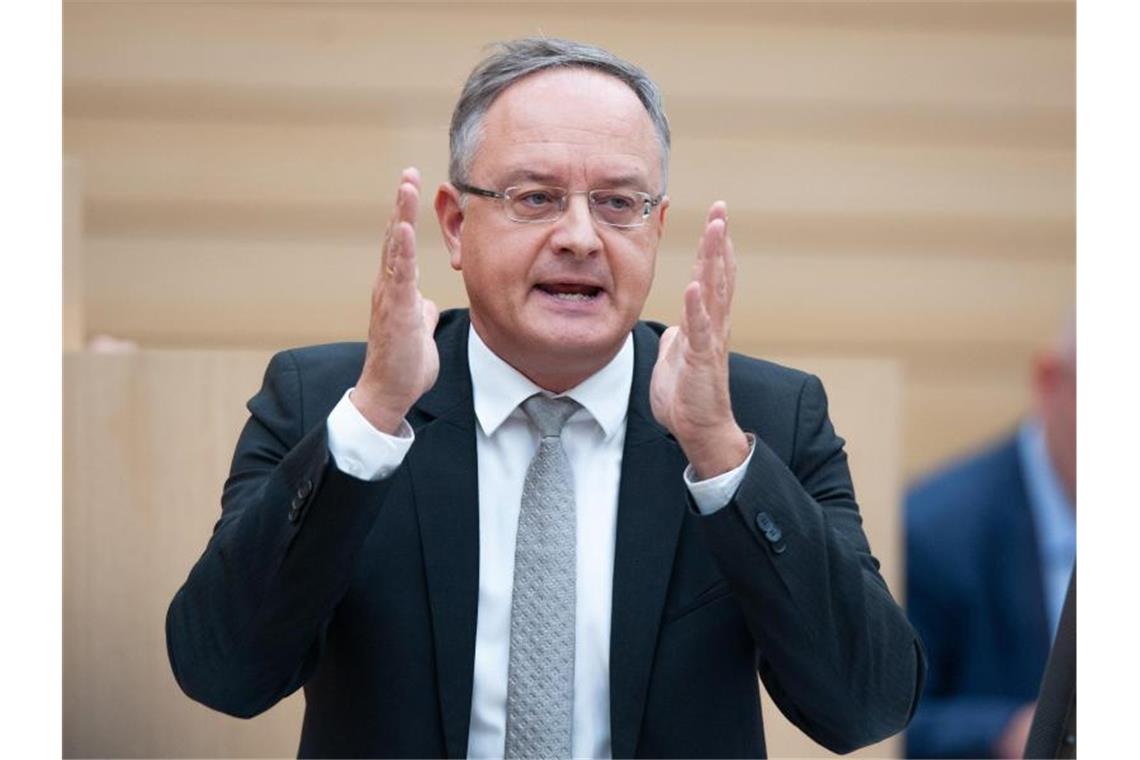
[[529, 175], [633, 180]]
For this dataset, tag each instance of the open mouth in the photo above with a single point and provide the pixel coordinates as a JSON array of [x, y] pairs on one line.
[[570, 291]]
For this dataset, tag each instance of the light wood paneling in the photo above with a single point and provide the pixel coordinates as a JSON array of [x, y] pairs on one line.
[[735, 52], [74, 324], [336, 165], [147, 444]]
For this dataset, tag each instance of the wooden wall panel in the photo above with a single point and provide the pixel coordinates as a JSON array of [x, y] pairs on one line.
[[694, 52], [74, 316], [348, 164], [147, 443]]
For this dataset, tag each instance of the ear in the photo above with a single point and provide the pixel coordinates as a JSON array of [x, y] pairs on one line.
[[449, 212]]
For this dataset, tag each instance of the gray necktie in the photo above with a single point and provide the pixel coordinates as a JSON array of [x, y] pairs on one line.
[[540, 673]]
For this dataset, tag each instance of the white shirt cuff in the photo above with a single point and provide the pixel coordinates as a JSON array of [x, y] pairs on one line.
[[715, 493], [361, 450]]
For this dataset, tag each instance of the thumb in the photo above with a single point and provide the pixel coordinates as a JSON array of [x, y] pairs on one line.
[[430, 314], [666, 343]]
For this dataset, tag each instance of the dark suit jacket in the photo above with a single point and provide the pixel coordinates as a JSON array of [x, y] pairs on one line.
[[365, 593], [974, 593]]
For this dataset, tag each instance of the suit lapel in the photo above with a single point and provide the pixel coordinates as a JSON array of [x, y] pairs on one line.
[[444, 477], [651, 507]]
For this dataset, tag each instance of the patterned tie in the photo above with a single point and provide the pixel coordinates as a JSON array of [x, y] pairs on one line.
[[540, 676]]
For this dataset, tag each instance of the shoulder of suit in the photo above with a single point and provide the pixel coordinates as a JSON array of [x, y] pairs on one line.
[[968, 490], [325, 358]]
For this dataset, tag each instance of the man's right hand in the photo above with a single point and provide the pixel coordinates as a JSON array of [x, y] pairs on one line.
[[401, 361]]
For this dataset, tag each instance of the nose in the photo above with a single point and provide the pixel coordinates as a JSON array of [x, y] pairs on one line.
[[575, 232]]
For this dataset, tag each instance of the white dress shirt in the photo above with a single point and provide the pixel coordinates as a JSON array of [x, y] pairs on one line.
[[505, 443]]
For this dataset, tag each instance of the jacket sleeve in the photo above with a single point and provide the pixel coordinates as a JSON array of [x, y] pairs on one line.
[[244, 630], [834, 649]]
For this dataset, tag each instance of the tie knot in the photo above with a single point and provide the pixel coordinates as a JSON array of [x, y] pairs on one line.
[[549, 414]]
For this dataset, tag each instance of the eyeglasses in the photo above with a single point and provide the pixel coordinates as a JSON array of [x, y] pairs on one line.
[[540, 203]]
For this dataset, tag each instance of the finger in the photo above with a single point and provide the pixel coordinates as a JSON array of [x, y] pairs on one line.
[[666, 353], [729, 270], [401, 269], [405, 209], [408, 198], [713, 284], [704, 252], [683, 324], [718, 210], [412, 175], [666, 342], [698, 328]]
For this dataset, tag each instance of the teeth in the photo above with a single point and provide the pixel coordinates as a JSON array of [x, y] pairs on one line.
[[573, 296]]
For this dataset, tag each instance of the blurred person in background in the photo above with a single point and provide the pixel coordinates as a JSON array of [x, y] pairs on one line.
[[376, 514], [990, 547]]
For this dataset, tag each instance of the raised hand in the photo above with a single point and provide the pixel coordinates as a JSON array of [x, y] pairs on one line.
[[401, 361], [689, 388]]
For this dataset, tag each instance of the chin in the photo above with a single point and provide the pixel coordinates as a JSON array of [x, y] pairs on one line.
[[578, 339]]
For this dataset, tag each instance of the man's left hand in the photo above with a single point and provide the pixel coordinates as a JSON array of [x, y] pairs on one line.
[[689, 388]]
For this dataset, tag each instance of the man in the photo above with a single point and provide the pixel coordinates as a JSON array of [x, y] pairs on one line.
[[539, 528], [991, 543]]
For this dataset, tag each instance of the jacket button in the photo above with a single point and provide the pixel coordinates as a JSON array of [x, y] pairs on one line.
[[294, 514], [773, 534], [764, 521], [779, 548], [305, 489]]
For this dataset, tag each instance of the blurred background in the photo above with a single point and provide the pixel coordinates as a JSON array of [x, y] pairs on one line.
[[900, 179]]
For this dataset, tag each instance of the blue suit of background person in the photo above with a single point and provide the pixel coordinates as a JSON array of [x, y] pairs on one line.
[[990, 546]]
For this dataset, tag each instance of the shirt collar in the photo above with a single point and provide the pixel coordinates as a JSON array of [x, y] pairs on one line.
[[498, 388]]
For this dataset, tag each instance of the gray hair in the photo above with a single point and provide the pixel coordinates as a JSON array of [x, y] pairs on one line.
[[520, 58]]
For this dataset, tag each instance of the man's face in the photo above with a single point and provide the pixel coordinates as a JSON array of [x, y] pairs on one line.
[[556, 299]]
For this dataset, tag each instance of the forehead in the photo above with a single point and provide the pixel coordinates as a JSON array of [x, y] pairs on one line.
[[574, 122]]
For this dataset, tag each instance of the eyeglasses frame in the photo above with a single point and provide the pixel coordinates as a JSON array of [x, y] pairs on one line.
[[650, 203]]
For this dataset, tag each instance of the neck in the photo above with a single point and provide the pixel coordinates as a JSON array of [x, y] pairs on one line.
[[556, 372]]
